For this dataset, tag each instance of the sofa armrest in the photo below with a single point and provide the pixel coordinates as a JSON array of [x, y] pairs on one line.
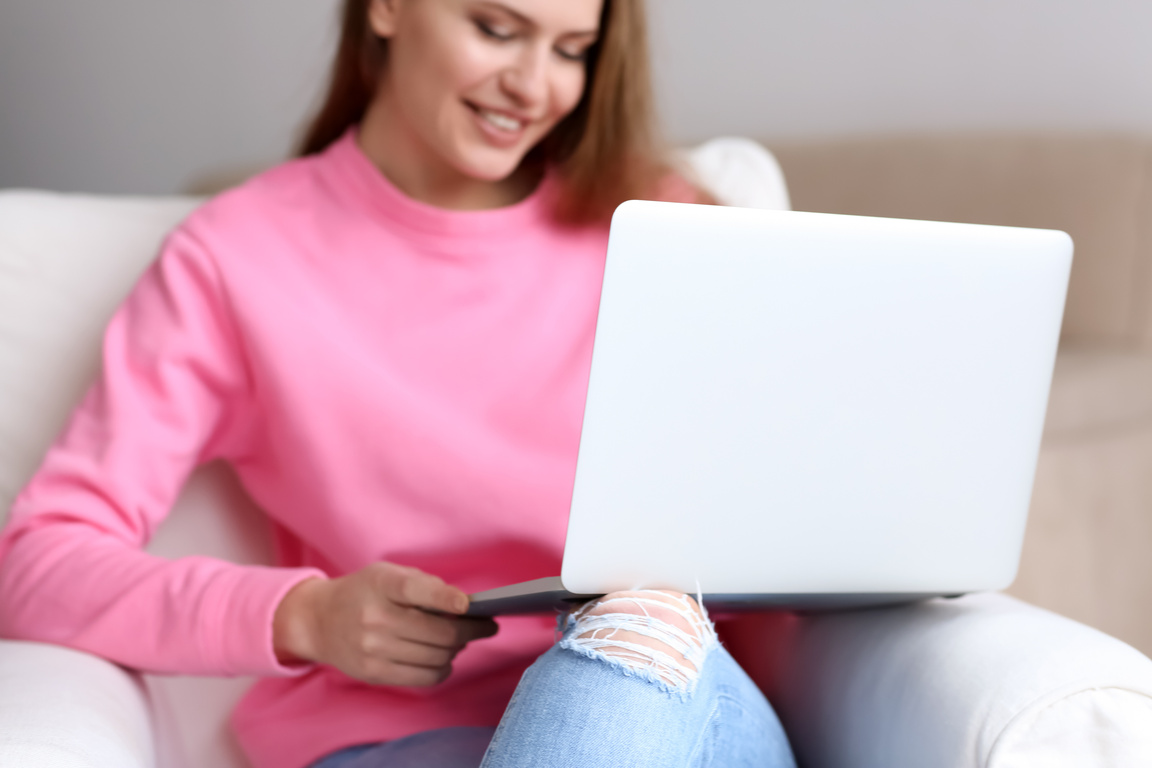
[[61, 708], [983, 681]]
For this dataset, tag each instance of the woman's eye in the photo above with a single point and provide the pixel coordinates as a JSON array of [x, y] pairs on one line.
[[568, 54], [494, 31]]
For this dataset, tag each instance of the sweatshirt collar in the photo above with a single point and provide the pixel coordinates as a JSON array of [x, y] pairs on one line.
[[364, 180]]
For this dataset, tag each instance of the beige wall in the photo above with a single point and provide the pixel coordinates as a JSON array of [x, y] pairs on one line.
[[147, 95]]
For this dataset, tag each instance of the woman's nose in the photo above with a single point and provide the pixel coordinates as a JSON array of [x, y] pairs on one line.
[[526, 79]]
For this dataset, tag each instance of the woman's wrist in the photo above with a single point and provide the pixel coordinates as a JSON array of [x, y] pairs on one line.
[[294, 623]]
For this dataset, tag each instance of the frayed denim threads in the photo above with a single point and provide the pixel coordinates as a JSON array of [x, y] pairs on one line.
[[675, 658]]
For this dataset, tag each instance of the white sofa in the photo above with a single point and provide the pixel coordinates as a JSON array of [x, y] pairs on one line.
[[981, 682]]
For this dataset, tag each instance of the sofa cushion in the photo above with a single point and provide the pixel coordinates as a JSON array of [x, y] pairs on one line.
[[1055, 734], [66, 709]]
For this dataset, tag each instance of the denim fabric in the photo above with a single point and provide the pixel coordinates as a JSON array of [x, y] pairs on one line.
[[572, 709], [584, 708]]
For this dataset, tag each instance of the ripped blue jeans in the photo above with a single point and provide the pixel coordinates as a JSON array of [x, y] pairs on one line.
[[638, 679]]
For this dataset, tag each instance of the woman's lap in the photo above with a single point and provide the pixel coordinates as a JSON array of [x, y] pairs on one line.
[[579, 705]]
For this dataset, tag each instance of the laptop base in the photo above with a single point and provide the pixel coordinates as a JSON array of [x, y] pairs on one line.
[[548, 595]]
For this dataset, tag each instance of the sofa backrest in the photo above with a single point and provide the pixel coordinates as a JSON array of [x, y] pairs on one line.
[[1098, 188], [66, 262]]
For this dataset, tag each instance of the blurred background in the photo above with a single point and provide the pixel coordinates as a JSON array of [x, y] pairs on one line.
[[153, 96]]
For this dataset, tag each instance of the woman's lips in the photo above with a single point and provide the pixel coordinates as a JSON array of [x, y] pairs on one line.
[[501, 121], [500, 128]]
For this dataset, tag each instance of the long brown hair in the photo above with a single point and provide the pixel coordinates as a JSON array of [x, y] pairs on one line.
[[606, 151]]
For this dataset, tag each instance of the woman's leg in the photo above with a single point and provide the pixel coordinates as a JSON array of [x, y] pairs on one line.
[[638, 680]]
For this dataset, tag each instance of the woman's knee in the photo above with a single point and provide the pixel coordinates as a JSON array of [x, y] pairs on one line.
[[661, 632]]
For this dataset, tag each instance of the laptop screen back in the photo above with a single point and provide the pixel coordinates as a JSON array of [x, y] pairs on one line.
[[807, 403]]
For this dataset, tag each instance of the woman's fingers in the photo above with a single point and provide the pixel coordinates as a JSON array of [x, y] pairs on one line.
[[405, 675], [386, 624], [420, 655], [416, 662], [416, 589], [442, 631]]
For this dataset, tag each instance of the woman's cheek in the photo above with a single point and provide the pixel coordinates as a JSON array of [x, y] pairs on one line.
[[473, 63], [569, 94]]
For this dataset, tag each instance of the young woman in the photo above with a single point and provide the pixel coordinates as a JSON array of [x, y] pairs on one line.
[[389, 340]]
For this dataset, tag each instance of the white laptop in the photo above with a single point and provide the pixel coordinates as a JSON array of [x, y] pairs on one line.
[[808, 410]]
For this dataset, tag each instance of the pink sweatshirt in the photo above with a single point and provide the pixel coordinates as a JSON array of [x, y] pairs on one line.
[[391, 381]]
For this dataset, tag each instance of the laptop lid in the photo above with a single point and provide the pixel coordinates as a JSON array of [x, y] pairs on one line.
[[800, 403]]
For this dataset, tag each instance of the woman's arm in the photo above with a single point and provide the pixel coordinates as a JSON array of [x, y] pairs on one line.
[[173, 392]]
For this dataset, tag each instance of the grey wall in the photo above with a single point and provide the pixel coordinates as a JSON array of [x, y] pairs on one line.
[[820, 67], [147, 95], [150, 95]]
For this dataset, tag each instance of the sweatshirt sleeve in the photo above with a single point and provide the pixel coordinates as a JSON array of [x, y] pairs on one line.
[[174, 392]]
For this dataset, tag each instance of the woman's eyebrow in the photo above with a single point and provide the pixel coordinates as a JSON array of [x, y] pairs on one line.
[[528, 22]]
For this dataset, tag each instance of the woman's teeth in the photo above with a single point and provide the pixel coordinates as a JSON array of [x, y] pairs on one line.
[[503, 122]]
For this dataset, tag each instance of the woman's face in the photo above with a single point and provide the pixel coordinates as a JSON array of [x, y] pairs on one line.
[[471, 85]]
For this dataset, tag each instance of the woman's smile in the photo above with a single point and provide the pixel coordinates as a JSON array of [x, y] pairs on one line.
[[500, 128]]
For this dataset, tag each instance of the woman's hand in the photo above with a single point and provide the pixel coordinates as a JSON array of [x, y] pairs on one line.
[[385, 624]]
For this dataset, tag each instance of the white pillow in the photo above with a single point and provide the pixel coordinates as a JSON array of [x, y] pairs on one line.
[[738, 172]]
